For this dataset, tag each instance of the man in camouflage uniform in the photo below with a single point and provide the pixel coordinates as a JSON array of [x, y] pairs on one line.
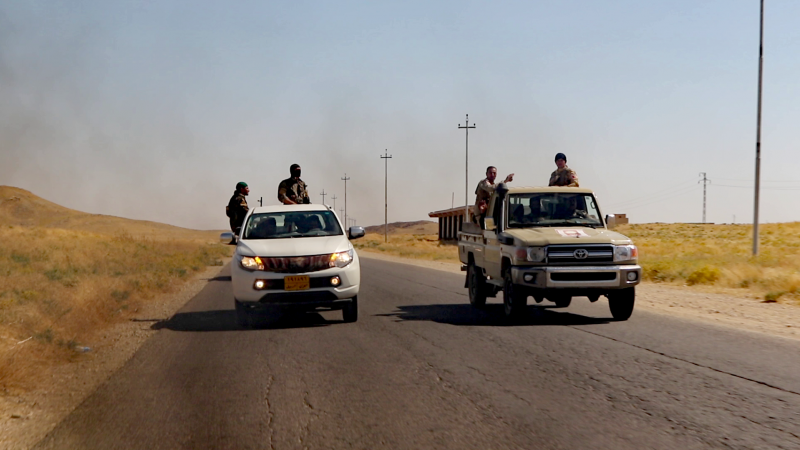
[[484, 192], [563, 175], [237, 206], [293, 191]]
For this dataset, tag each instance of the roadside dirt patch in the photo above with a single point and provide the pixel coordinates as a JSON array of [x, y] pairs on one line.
[[695, 303], [27, 418]]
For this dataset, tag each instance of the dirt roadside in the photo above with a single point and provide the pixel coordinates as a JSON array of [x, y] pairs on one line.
[[730, 310], [26, 419]]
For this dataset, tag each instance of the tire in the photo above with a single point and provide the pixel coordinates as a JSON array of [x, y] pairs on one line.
[[476, 285], [514, 301], [562, 301], [621, 303], [243, 318], [350, 311]]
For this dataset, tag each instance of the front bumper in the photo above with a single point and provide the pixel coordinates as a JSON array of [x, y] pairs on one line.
[[577, 277], [244, 290]]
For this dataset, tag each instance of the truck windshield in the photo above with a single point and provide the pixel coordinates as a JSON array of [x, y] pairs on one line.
[[552, 209], [292, 225]]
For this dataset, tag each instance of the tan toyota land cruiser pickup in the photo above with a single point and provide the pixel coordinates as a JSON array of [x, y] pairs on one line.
[[548, 242]]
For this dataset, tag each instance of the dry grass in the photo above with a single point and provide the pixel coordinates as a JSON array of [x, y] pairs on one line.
[[66, 275], [720, 256], [715, 257], [418, 246]]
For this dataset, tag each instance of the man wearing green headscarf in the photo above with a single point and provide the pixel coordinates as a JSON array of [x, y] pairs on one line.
[[237, 206]]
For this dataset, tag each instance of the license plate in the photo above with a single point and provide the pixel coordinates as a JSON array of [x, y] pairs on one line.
[[296, 283]]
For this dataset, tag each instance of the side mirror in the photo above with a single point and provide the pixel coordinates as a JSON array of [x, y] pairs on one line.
[[489, 223], [505, 239], [226, 238], [356, 232], [610, 221]]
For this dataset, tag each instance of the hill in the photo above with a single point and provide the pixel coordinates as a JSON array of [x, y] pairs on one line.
[[19, 207], [418, 227]]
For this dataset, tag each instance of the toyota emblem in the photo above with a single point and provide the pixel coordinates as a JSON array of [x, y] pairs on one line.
[[580, 253]]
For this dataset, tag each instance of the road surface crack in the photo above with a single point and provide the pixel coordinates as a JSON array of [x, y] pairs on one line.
[[675, 358], [270, 380]]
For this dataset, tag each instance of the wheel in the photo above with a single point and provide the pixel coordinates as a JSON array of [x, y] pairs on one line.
[[514, 301], [242, 315], [621, 303], [350, 311], [562, 301], [476, 284]]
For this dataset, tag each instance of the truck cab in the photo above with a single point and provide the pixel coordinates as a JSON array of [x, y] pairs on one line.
[[548, 242]]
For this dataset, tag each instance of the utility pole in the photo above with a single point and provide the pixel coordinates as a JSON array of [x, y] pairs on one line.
[[758, 131], [466, 167], [704, 181], [333, 197], [260, 203], [386, 157], [345, 196], [323, 194]]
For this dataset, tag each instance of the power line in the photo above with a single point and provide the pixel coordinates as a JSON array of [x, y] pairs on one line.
[[763, 181], [778, 188], [648, 197], [466, 169], [386, 157], [758, 129], [345, 178], [658, 199], [705, 181]]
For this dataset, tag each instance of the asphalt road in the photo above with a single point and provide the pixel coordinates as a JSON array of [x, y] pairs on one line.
[[421, 369]]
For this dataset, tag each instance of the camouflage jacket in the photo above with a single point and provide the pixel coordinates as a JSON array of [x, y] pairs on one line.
[[483, 192], [564, 177], [294, 190], [237, 208]]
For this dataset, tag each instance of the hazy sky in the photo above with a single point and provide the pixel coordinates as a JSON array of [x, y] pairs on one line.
[[154, 110]]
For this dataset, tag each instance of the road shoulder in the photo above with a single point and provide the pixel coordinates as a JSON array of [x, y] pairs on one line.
[[28, 418], [728, 310]]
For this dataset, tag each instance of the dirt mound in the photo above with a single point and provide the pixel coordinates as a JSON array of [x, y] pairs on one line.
[[418, 227], [19, 207]]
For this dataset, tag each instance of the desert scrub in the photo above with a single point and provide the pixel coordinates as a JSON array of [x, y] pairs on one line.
[[721, 255], [417, 246], [61, 287]]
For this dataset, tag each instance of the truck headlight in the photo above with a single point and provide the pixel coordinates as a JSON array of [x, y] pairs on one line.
[[341, 259], [625, 253], [251, 263], [536, 254]]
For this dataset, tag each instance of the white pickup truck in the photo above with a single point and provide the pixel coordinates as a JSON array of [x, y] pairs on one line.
[[548, 242]]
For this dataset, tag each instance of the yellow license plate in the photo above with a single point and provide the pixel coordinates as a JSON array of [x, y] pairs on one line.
[[296, 283]]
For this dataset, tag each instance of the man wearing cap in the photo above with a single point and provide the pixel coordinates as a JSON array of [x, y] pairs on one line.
[[237, 206], [563, 175], [484, 191], [293, 191]]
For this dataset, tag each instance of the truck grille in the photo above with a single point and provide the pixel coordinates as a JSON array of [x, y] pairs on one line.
[[580, 254], [300, 264], [583, 276]]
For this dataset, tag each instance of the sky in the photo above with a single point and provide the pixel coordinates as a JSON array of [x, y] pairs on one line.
[[155, 110]]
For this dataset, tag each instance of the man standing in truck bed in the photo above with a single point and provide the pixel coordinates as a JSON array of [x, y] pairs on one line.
[[293, 191], [484, 191], [563, 175], [237, 207]]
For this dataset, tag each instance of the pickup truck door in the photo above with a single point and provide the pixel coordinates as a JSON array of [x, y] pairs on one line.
[[492, 255]]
